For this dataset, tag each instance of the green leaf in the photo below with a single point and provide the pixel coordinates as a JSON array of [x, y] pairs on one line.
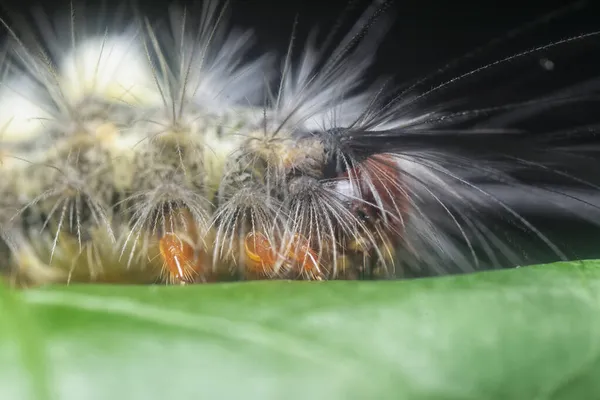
[[528, 333]]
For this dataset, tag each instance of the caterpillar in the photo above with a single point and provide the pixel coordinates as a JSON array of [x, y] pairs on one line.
[[166, 152]]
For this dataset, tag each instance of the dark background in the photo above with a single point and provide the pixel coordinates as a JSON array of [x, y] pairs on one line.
[[427, 34]]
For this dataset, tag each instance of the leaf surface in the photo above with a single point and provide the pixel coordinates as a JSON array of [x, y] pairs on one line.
[[526, 333]]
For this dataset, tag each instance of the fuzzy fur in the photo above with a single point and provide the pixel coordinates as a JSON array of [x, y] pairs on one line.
[[115, 140]]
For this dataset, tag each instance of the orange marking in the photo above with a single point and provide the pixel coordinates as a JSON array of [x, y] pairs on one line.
[[301, 252], [180, 262], [260, 252], [263, 257]]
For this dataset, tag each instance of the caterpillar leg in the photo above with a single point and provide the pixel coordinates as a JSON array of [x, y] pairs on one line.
[[182, 250], [264, 258], [181, 264]]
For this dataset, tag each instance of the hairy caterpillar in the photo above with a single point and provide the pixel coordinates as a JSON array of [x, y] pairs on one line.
[[161, 151]]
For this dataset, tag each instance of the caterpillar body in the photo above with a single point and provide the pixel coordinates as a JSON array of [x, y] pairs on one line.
[[165, 153]]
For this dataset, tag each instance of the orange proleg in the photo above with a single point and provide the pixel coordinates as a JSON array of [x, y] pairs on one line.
[[181, 264], [262, 255]]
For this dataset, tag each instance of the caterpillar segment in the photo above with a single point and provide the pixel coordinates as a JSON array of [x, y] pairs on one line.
[[200, 202]]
